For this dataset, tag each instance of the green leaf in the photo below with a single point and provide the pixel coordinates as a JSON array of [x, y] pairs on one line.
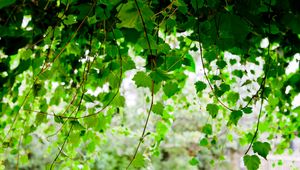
[[238, 73], [203, 142], [197, 4], [224, 87], [210, 56], [296, 110], [139, 161], [212, 110], [251, 162], [233, 97], [77, 125], [235, 117], [170, 89], [71, 19], [58, 119], [189, 61], [5, 3], [194, 161], [141, 79], [158, 108], [200, 86], [159, 76], [221, 64], [119, 101], [247, 110], [207, 129], [262, 148], [247, 82], [128, 15], [161, 129]]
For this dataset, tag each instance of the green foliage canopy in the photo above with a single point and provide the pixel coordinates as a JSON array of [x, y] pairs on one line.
[[71, 46]]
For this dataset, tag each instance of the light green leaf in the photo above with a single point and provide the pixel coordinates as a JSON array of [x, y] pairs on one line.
[[251, 162], [262, 148], [71, 19], [141, 79], [119, 101], [194, 161], [203, 142], [212, 110], [139, 161]]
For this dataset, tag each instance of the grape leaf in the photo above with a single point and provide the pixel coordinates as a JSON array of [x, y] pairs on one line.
[[251, 162], [194, 161], [203, 142], [200, 86], [141, 79], [247, 110], [207, 129], [158, 108], [170, 89], [233, 97], [262, 148], [139, 161], [212, 110], [235, 117]]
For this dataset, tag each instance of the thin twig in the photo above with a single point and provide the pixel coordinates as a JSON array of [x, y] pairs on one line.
[[263, 85], [152, 93], [145, 126]]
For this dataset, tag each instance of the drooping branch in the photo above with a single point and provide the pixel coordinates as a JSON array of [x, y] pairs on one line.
[[152, 92]]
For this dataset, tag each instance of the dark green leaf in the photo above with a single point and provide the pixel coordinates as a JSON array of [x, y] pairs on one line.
[[77, 125], [235, 117], [262, 148], [197, 4], [5, 3], [221, 64], [238, 73], [247, 110], [200, 86]]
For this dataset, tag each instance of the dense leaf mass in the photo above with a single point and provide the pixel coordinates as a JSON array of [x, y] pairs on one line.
[[54, 53]]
